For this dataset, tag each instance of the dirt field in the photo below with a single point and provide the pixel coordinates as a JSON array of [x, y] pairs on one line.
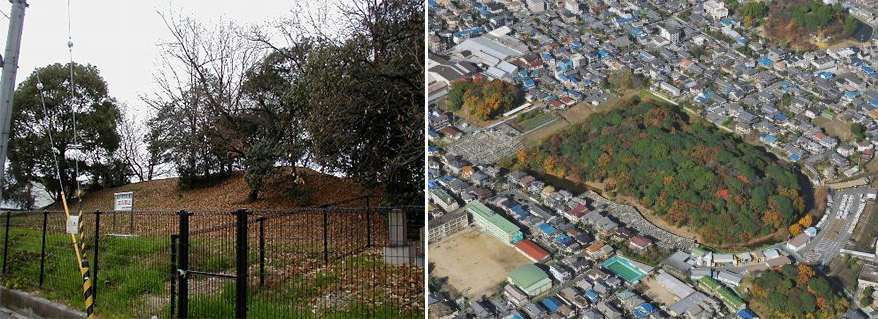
[[475, 263], [655, 291]]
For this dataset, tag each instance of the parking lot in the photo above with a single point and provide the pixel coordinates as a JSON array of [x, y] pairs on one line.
[[843, 214]]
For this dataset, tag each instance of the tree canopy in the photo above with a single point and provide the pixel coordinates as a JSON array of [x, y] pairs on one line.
[[484, 99], [686, 172], [348, 104], [96, 113], [796, 292]]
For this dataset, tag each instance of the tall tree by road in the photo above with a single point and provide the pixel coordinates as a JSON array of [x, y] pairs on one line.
[[97, 116]]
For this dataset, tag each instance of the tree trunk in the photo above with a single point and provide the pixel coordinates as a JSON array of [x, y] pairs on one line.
[[253, 196]]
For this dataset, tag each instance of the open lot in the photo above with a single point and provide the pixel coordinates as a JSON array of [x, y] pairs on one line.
[[474, 262], [525, 122], [835, 127], [656, 292]]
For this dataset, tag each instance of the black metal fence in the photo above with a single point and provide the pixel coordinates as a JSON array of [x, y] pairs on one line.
[[319, 262]]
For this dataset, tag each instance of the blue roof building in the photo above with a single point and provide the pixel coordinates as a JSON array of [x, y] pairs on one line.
[[592, 296], [621, 21], [551, 303], [547, 229], [564, 239], [746, 314], [644, 310]]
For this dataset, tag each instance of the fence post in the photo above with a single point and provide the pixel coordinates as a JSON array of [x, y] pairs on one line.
[[94, 276], [173, 272], [397, 251], [241, 264], [368, 222], [183, 310], [43, 249], [6, 242], [326, 235], [261, 252]]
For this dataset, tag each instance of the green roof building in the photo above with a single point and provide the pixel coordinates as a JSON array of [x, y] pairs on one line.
[[530, 279], [727, 295], [494, 223]]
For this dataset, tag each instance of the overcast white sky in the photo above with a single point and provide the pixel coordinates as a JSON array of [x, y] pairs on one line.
[[119, 37]]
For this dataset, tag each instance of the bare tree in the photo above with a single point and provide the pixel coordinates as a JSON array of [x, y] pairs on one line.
[[144, 162], [131, 144]]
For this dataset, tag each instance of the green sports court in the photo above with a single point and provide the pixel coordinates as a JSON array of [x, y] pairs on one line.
[[623, 268]]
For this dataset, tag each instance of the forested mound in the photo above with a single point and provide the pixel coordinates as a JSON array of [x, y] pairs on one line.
[[688, 173], [230, 192]]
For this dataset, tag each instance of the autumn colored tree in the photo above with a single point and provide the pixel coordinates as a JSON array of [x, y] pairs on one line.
[[805, 273], [806, 221], [795, 229], [483, 99]]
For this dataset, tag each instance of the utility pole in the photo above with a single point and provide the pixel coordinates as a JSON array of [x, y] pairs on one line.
[[7, 79]]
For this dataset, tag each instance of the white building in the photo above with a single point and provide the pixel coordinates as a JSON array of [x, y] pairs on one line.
[[716, 9]]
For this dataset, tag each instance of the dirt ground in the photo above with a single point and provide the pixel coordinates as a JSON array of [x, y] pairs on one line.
[[475, 263], [655, 291]]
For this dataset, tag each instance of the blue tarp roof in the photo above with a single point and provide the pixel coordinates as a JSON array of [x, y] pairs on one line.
[[564, 239], [529, 82], [547, 229], [826, 75], [794, 157], [519, 211], [643, 310], [768, 138], [765, 61], [603, 53], [592, 295], [625, 20], [468, 31], [551, 304], [869, 70], [780, 117], [431, 184]]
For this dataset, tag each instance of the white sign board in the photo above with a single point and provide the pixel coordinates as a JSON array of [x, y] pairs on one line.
[[73, 225], [123, 201]]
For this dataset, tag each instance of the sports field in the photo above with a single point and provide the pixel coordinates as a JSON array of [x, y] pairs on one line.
[[624, 269], [474, 262]]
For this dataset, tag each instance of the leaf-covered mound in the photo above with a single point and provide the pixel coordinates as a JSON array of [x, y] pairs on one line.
[[690, 174]]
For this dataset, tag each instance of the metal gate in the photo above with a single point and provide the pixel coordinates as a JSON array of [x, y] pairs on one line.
[[210, 263], [339, 262]]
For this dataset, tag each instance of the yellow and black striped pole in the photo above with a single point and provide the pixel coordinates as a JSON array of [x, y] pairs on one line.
[[83, 263], [86, 290]]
